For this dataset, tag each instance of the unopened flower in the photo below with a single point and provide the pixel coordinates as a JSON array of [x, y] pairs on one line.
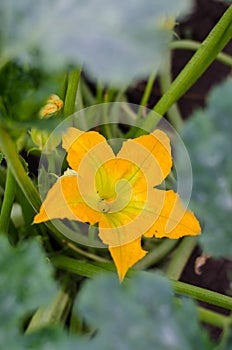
[[53, 105], [43, 138]]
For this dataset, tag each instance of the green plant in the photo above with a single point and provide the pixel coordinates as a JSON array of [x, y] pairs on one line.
[[149, 309]]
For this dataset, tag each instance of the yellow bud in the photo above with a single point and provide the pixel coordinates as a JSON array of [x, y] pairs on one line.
[[53, 105], [42, 139]]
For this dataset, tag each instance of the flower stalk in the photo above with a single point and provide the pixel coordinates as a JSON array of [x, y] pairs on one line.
[[7, 204], [201, 60], [71, 92]]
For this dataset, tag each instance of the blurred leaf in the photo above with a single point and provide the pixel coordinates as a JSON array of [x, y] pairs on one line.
[[21, 269], [26, 283], [1, 157], [229, 341], [207, 136], [139, 314], [118, 40], [53, 338]]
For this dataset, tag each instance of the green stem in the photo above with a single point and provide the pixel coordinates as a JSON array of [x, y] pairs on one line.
[[55, 313], [106, 129], [180, 257], [63, 87], [86, 269], [71, 93], [8, 201], [13, 161], [147, 92], [86, 254], [17, 169], [27, 210], [224, 337], [81, 268], [87, 95], [213, 318], [99, 92], [209, 316], [202, 294], [173, 113], [2, 176], [157, 254], [195, 45], [204, 56]]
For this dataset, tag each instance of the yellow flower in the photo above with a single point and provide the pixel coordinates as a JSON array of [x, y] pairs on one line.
[[117, 193]]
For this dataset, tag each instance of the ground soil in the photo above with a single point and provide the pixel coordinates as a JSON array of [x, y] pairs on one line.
[[215, 274]]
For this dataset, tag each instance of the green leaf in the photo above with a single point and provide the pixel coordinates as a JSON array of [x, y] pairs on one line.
[[228, 341], [51, 339], [21, 270], [139, 314], [207, 136], [25, 283], [118, 40]]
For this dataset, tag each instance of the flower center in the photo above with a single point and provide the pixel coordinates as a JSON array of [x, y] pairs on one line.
[[104, 205]]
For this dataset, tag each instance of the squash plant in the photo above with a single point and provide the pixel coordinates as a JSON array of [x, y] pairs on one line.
[[58, 284]]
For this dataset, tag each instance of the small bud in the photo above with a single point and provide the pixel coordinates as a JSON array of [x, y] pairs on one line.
[[53, 105], [42, 139]]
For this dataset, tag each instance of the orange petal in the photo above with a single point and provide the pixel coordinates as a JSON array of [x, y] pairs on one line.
[[126, 256], [64, 201], [173, 220], [151, 153], [79, 144]]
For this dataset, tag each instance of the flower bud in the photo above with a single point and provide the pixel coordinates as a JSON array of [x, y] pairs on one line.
[[52, 106], [42, 139]]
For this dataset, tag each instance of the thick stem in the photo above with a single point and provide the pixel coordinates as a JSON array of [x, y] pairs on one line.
[[157, 254], [205, 55], [180, 257], [84, 269], [13, 161], [8, 201], [56, 313], [209, 316], [71, 93], [17, 169], [173, 113], [202, 294], [195, 45], [81, 268], [147, 92]]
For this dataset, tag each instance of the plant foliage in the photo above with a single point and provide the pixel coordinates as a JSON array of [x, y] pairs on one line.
[[207, 136]]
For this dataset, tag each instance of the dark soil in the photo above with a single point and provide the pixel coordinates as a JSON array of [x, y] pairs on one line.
[[214, 274]]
